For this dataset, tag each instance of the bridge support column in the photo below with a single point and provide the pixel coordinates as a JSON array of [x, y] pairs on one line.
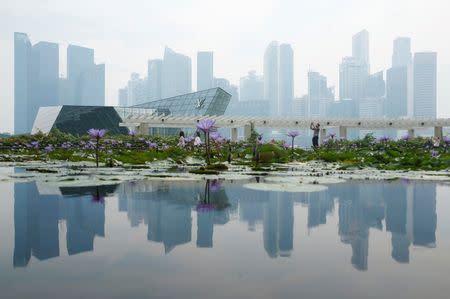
[[234, 134], [248, 128], [323, 134], [343, 132], [411, 133], [438, 132]]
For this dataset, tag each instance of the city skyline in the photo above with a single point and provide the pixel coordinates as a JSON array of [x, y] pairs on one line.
[[233, 60]]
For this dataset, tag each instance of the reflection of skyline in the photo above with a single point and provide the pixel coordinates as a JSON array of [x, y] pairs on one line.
[[406, 211], [36, 219]]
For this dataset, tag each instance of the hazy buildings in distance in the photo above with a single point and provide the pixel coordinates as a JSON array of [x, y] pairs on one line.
[[37, 82], [176, 74], [251, 87], [425, 84], [205, 70]]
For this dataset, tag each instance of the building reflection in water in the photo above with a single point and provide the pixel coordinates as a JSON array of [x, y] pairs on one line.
[[406, 211], [38, 211]]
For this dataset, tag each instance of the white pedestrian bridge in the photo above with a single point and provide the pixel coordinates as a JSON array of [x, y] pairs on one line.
[[142, 123]]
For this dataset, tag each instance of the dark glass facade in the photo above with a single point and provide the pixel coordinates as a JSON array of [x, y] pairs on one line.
[[212, 101], [77, 120]]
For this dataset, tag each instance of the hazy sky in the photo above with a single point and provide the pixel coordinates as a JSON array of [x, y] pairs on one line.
[[125, 34]]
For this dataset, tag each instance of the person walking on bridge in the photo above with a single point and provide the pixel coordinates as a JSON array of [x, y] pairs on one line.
[[316, 131]]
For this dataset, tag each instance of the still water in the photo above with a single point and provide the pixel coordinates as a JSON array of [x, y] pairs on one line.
[[159, 239]]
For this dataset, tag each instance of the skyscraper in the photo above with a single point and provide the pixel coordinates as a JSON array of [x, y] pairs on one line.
[[360, 47], [425, 76], [399, 80], [251, 87], [22, 82], [352, 79], [285, 80], [176, 74], [154, 77], [271, 76], [401, 55], [319, 96], [205, 70], [92, 91], [86, 80], [44, 78]]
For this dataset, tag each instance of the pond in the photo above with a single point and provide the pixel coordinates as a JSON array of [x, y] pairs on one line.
[[218, 239]]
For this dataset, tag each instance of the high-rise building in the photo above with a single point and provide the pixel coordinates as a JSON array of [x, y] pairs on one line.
[[352, 79], [397, 91], [376, 87], [44, 78], [205, 70], [86, 80], [319, 96], [425, 76], [22, 83], [251, 87], [399, 85], [176, 74], [123, 97], [136, 90], [271, 76], [154, 77], [92, 91], [401, 55], [285, 80], [360, 47]]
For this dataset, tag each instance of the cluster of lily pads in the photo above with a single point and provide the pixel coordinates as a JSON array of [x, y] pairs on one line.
[[112, 150]]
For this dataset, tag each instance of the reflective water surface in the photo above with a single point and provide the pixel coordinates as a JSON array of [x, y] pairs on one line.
[[213, 239]]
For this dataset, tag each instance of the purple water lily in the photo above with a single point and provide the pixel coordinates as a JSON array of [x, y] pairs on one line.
[[293, 134], [206, 125], [49, 148], [132, 133], [214, 185], [384, 139], [97, 133]]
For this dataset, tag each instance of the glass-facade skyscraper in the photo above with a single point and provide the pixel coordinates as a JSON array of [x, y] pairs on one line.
[[205, 70], [425, 76], [22, 82], [176, 74], [285, 80]]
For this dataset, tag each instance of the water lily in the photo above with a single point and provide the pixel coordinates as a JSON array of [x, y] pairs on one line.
[[49, 148], [132, 133], [207, 126], [97, 134], [293, 134]]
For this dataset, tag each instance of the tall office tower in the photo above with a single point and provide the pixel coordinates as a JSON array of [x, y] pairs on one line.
[[399, 85], [251, 87], [425, 77], [205, 70], [22, 82], [176, 74], [376, 87], [319, 97], [44, 78], [136, 90], [123, 97], [397, 92], [92, 92], [285, 80], [86, 80], [401, 55], [352, 79], [154, 75], [271, 77], [360, 47]]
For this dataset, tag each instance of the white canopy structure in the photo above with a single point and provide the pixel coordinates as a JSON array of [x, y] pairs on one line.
[[143, 122]]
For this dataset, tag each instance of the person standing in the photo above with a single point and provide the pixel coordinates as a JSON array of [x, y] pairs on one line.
[[181, 141], [316, 131]]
